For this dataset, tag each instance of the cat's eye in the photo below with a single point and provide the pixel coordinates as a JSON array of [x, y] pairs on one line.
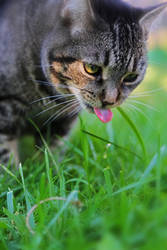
[[92, 69], [129, 78]]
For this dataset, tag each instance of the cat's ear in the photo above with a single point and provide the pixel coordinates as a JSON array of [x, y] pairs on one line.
[[78, 14], [149, 15]]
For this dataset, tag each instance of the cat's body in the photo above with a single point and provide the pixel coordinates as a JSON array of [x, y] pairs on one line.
[[48, 47], [20, 67]]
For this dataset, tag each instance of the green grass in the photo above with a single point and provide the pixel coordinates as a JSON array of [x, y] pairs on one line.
[[105, 197]]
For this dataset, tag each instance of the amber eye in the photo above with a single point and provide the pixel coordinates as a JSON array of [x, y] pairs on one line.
[[129, 78], [92, 69]]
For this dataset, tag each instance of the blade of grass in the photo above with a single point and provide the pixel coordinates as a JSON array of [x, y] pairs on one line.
[[78, 180], [129, 187], [85, 148], [112, 143], [10, 173], [3, 245], [10, 206], [152, 164], [107, 176], [76, 150], [46, 146], [72, 196], [143, 180], [48, 171], [158, 169], [28, 204], [14, 190], [135, 130], [62, 185]]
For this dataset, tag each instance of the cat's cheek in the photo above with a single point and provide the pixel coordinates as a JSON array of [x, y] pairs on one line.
[[78, 95], [77, 73], [56, 82], [74, 90], [54, 71]]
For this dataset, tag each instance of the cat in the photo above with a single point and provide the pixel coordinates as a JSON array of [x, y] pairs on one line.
[[60, 56]]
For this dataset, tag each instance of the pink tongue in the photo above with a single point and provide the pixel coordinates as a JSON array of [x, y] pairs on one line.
[[105, 115]]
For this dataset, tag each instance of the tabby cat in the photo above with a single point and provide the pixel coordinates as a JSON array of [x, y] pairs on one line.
[[60, 56]]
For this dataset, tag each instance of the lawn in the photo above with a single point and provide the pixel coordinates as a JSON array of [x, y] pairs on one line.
[[104, 196]]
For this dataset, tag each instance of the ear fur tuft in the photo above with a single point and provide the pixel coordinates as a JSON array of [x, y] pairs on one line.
[[79, 14], [150, 14]]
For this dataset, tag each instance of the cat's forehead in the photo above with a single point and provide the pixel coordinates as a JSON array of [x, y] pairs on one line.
[[123, 42], [96, 43]]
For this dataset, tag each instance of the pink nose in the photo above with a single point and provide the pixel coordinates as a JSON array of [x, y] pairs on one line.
[[110, 96]]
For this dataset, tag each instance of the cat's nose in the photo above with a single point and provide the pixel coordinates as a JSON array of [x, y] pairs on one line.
[[109, 97]]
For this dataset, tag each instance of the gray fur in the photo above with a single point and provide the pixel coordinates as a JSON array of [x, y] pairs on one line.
[[33, 31]]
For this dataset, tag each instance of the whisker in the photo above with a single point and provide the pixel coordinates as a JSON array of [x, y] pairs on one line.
[[156, 63], [125, 105], [57, 114], [139, 96], [54, 106], [50, 84], [67, 108], [144, 104], [75, 111], [63, 86], [150, 91], [55, 97], [42, 82], [45, 66], [134, 108], [146, 93]]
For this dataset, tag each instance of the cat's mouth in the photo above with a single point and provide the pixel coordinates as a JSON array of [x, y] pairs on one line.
[[105, 115]]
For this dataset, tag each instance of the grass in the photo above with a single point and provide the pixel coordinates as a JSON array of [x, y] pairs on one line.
[[100, 196]]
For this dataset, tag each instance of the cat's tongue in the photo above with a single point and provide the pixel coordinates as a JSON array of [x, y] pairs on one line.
[[105, 115]]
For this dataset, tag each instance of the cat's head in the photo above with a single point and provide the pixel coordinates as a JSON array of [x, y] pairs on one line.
[[99, 51]]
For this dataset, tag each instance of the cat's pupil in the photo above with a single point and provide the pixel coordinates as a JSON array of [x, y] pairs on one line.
[[130, 77], [92, 69]]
